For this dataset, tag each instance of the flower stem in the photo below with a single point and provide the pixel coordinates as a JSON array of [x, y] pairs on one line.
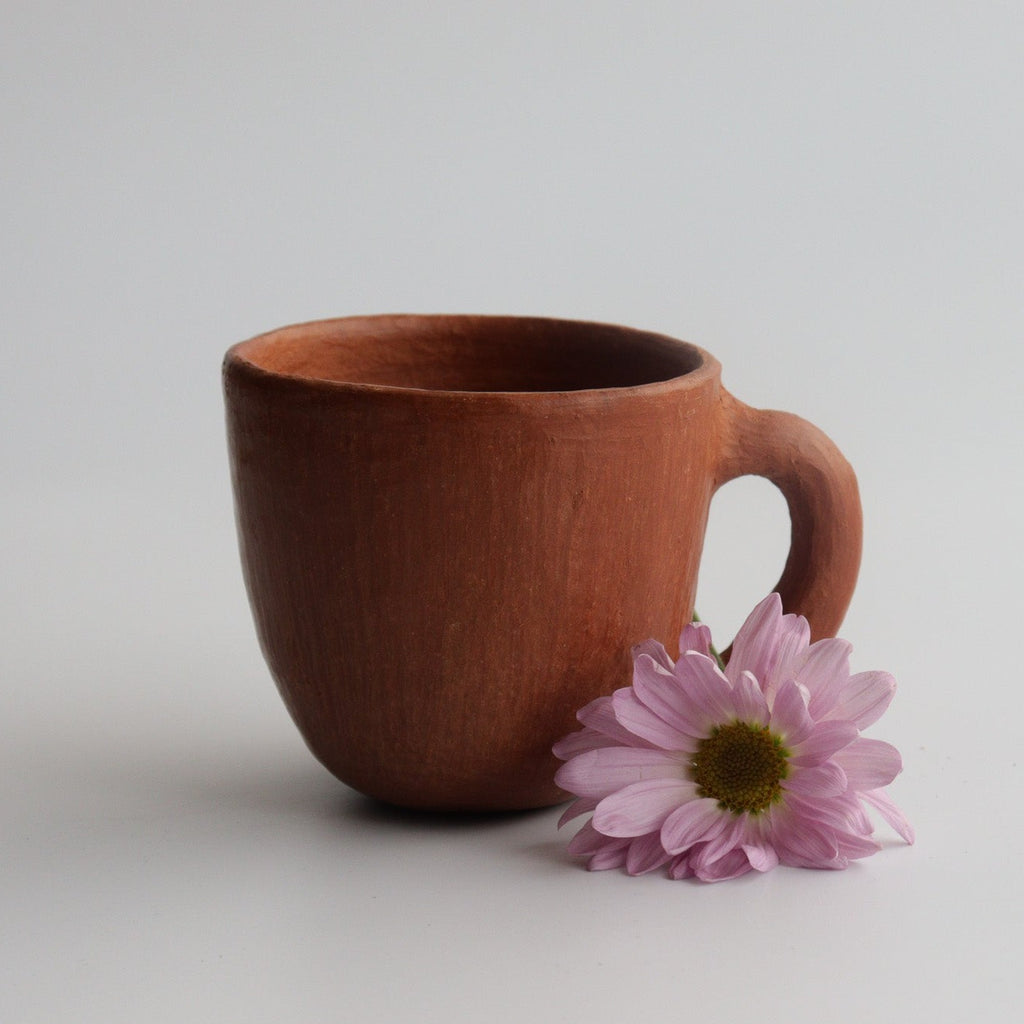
[[711, 646]]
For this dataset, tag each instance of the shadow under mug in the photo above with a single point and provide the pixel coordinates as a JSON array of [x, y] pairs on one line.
[[453, 529]]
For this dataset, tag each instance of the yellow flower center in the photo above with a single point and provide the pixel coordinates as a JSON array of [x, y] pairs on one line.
[[741, 765]]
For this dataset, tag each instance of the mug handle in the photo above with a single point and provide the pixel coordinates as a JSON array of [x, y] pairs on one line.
[[820, 489]]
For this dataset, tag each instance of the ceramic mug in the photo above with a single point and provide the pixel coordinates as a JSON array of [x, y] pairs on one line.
[[453, 529]]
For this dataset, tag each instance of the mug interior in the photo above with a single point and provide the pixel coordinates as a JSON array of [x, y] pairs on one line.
[[472, 353]]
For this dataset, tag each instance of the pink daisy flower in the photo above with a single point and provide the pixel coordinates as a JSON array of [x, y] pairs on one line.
[[714, 773]]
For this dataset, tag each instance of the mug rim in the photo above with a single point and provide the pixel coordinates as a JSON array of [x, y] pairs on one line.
[[242, 354]]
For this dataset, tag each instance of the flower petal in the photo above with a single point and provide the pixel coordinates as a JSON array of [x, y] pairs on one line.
[[839, 814], [695, 637], [869, 764], [853, 846], [790, 718], [793, 640], [599, 715], [641, 807], [697, 821], [823, 670], [703, 682], [864, 698], [654, 649], [576, 808], [580, 742], [597, 773], [729, 838], [823, 780], [879, 799], [761, 855], [748, 701], [731, 865], [662, 693], [803, 842], [755, 641], [633, 715], [844, 821], [601, 729], [827, 738], [680, 867], [768, 644], [588, 841], [612, 857], [645, 854]]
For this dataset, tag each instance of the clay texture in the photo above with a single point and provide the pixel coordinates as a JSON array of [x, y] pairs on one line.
[[453, 529]]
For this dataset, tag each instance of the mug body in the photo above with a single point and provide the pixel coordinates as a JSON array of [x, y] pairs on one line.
[[454, 529]]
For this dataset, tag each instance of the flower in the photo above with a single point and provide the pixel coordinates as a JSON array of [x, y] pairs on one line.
[[716, 772]]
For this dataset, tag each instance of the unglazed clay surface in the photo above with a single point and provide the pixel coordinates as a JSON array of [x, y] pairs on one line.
[[453, 530]]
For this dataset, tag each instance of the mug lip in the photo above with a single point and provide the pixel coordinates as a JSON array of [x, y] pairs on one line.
[[707, 369]]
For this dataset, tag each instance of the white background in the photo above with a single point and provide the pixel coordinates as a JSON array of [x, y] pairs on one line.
[[826, 196]]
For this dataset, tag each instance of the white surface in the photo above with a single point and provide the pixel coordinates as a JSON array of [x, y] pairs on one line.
[[825, 196]]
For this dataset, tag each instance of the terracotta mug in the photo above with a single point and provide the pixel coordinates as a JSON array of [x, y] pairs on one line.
[[454, 528]]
